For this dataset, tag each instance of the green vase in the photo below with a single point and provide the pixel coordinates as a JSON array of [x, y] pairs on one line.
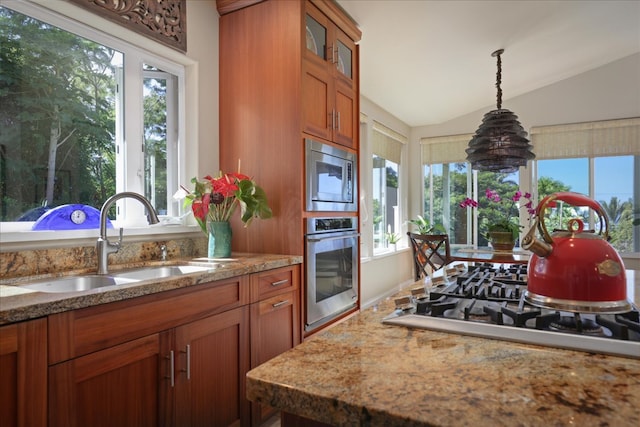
[[501, 240], [219, 239]]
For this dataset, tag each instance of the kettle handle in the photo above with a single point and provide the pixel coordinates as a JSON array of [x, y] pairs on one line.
[[574, 199]]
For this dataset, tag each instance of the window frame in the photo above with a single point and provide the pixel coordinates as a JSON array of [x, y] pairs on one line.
[[452, 148], [18, 235], [390, 145]]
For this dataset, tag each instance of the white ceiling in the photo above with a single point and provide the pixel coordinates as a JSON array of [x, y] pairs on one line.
[[427, 62]]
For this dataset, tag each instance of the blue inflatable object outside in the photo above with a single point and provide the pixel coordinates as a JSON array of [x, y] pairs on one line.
[[70, 217]]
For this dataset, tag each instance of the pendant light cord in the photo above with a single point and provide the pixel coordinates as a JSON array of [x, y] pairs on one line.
[[497, 54]]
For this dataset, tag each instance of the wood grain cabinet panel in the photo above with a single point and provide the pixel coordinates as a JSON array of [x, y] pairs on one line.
[[329, 80], [79, 332], [127, 384], [212, 361], [280, 84], [23, 374], [275, 321], [181, 362]]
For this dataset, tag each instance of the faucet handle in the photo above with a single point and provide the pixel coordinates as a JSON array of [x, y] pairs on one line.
[[119, 242]]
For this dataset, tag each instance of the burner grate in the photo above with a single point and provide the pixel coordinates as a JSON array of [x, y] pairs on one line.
[[576, 324], [489, 302]]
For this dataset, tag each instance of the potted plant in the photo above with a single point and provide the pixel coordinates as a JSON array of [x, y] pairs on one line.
[[424, 227], [503, 227], [392, 238], [214, 200]]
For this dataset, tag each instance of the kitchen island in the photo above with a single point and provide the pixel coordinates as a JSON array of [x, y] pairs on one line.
[[361, 372]]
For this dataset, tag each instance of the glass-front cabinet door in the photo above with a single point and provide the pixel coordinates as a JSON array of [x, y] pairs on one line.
[[344, 54], [316, 38], [327, 43], [329, 80]]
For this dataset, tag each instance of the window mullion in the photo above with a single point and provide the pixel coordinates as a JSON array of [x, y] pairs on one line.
[[133, 163]]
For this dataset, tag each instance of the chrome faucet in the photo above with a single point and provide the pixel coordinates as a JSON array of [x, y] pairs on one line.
[[103, 246]]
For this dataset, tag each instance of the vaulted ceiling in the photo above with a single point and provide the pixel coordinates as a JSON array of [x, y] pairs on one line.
[[427, 62]]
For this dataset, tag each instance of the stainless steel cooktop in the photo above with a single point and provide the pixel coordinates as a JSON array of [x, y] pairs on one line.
[[488, 302]]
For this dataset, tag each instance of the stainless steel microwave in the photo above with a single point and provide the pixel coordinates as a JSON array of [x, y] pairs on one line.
[[331, 178]]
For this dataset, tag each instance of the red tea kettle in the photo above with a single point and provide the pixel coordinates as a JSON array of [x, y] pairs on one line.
[[574, 270]]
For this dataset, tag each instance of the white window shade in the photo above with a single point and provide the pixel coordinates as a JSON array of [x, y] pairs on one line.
[[445, 149], [590, 139], [387, 143]]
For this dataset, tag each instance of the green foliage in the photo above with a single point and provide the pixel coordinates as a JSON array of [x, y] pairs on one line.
[[392, 238], [57, 96], [424, 226], [505, 225], [253, 201]]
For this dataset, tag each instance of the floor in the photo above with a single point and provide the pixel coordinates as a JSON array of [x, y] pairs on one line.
[[272, 422]]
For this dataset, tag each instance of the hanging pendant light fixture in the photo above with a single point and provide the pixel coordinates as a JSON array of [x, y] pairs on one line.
[[500, 144]]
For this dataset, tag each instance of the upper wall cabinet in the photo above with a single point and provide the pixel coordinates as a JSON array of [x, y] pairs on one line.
[[330, 107]]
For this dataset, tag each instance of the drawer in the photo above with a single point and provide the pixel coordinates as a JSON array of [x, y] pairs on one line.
[[274, 282]]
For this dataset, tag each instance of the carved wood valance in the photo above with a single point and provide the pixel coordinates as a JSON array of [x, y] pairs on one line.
[[162, 20]]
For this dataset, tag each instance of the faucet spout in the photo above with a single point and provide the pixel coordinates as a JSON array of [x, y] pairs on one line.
[[103, 246]]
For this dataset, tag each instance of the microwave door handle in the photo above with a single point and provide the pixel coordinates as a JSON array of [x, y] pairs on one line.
[[343, 236], [348, 180]]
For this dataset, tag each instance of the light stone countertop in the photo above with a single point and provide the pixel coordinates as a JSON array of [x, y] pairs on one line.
[[18, 304], [361, 372]]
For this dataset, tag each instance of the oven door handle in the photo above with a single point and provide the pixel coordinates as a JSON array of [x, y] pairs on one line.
[[333, 237]]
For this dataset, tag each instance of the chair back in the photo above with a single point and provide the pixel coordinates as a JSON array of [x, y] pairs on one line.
[[431, 250]]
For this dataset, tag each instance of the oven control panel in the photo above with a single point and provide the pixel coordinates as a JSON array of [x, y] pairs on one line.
[[332, 224]]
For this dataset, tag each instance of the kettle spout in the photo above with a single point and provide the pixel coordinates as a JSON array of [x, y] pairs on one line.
[[537, 246]]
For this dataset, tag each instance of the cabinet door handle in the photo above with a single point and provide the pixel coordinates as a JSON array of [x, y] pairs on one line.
[[280, 304], [338, 114], [333, 55], [171, 377], [333, 119], [280, 282], [187, 353]]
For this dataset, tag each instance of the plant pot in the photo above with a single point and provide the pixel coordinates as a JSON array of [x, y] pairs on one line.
[[219, 239], [501, 240]]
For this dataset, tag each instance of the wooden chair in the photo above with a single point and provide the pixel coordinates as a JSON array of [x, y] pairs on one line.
[[431, 250]]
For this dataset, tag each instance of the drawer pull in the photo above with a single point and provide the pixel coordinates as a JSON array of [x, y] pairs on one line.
[[280, 304], [280, 282]]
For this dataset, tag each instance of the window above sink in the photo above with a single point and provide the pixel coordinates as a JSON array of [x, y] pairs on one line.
[[93, 159]]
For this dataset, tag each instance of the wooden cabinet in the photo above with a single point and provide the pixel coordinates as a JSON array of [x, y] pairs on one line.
[[329, 100], [23, 373], [127, 384], [212, 359], [274, 92], [275, 321], [173, 358]]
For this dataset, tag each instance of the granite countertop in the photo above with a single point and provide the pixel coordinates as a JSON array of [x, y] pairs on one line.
[[18, 304], [361, 372]]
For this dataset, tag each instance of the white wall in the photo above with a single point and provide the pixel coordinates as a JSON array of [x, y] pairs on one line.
[[203, 47], [382, 274]]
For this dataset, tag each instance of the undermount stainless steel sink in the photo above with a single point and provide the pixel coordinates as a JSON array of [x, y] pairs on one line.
[[76, 283], [161, 272], [96, 281]]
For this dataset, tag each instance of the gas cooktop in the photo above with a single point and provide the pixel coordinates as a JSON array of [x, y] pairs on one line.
[[487, 301]]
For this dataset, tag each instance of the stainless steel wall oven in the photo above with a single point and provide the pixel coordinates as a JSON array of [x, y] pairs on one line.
[[331, 269]]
